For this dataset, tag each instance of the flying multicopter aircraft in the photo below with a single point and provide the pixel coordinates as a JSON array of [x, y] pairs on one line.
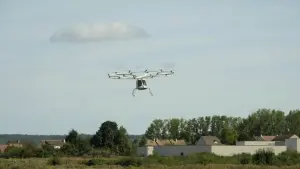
[[141, 83]]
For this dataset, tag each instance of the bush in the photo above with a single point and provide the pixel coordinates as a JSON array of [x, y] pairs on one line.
[[126, 161], [13, 152], [205, 158], [131, 161], [288, 158], [55, 160], [90, 162], [264, 157], [244, 158], [98, 161]]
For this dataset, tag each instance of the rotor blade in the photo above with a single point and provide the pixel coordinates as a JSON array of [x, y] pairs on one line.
[[121, 78]]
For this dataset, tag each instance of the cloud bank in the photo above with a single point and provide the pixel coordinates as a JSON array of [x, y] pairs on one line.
[[99, 32]]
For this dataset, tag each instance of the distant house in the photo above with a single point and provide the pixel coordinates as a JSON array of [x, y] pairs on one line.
[[57, 144], [282, 138], [209, 141], [165, 142], [212, 144], [264, 138], [171, 142], [16, 143], [3, 147], [151, 143]]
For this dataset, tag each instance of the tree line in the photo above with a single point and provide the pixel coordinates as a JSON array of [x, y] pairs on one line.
[[227, 128], [109, 139], [36, 139], [112, 139]]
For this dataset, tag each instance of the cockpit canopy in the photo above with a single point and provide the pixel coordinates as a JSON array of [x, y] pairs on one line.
[[140, 83]]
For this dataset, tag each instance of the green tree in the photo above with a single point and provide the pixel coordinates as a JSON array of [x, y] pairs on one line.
[[72, 137], [292, 122], [173, 126], [143, 141], [156, 130], [95, 140], [83, 147], [228, 136], [105, 136], [76, 146], [242, 136], [121, 141], [111, 138], [261, 122], [69, 150]]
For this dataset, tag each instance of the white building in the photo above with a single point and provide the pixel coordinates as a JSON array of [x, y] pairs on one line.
[[213, 145], [57, 144]]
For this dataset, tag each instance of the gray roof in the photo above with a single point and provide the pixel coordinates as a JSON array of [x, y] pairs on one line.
[[14, 142], [211, 140], [283, 137], [53, 142]]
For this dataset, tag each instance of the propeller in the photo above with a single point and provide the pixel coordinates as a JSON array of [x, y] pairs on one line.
[[165, 65]]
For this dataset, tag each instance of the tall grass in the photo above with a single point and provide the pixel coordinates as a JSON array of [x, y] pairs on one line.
[[264, 159], [77, 163]]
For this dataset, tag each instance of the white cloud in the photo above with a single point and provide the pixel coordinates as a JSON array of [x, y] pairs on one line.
[[99, 32]]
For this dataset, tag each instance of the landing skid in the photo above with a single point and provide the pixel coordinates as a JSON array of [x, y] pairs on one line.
[[133, 92]]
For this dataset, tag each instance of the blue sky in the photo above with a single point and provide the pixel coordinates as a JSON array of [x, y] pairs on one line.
[[231, 57]]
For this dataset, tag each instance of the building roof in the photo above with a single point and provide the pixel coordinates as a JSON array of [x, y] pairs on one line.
[[151, 143], [171, 142], [53, 142], [211, 140], [258, 138], [3, 147], [264, 138], [283, 137], [268, 138], [14, 142], [164, 142]]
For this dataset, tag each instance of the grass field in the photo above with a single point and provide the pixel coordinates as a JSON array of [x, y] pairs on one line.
[[78, 163]]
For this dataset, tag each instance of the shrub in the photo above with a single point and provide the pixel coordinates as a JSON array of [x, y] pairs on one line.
[[126, 161], [205, 158], [55, 160], [131, 161], [13, 152], [244, 158], [155, 154], [98, 161], [96, 153], [90, 162], [288, 158], [264, 156]]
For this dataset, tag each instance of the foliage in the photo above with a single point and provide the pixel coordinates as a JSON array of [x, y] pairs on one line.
[[113, 140], [110, 140], [228, 136], [199, 160], [227, 128], [288, 158], [55, 160], [35, 139], [72, 137], [264, 157], [77, 163], [111, 137], [75, 146]]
